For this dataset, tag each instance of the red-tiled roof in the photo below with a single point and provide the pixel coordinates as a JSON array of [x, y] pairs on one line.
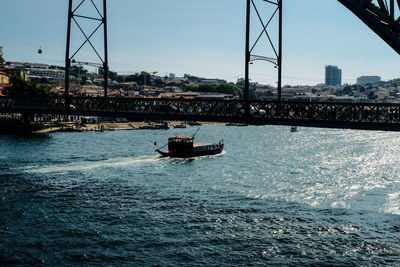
[[15, 63], [27, 63]]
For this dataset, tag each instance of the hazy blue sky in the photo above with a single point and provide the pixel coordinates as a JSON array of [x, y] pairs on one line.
[[203, 37]]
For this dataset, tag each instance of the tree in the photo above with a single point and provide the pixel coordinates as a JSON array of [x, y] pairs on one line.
[[240, 82], [20, 87], [1, 55], [158, 82], [139, 78], [372, 96], [113, 75], [214, 88]]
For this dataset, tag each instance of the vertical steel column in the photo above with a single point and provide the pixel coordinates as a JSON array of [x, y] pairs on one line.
[[67, 59], [247, 63], [105, 65], [280, 53], [392, 9]]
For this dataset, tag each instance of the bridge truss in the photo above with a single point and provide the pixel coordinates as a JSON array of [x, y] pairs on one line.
[[74, 8], [368, 116], [380, 16]]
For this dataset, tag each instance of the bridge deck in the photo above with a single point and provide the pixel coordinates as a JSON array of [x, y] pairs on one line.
[[369, 116]]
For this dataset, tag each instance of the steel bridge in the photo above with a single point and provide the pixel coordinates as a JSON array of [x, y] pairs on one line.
[[379, 15], [367, 116]]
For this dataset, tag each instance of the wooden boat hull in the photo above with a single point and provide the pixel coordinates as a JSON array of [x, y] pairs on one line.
[[173, 154]]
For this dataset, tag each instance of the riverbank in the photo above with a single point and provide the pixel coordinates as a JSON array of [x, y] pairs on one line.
[[116, 126], [17, 126]]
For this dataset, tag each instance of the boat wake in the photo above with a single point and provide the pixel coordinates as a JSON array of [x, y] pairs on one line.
[[91, 165]]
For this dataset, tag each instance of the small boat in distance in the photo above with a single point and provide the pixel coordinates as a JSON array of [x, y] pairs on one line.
[[184, 147], [236, 124], [293, 129], [180, 126]]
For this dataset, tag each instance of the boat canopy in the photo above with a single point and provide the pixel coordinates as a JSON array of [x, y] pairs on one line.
[[180, 139]]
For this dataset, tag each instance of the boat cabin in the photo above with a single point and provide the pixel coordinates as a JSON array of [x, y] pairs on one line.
[[180, 144]]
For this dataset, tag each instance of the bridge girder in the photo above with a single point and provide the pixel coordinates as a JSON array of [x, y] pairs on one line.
[[380, 18], [367, 116]]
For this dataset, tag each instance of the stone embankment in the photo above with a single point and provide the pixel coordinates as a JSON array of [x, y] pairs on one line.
[[113, 126]]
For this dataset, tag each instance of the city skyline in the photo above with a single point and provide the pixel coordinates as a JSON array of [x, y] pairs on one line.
[[150, 35]]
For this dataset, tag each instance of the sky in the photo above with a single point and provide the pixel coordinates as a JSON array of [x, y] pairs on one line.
[[205, 38]]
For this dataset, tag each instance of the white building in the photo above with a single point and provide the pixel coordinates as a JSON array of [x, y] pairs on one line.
[[363, 80], [38, 71], [212, 81]]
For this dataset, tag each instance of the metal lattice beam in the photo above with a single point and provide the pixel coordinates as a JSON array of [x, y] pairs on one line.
[[380, 17], [276, 58], [101, 18], [368, 116]]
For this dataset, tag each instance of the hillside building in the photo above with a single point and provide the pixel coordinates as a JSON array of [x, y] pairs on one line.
[[4, 80], [333, 75], [363, 80]]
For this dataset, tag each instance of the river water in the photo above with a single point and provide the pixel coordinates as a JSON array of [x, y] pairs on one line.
[[313, 197]]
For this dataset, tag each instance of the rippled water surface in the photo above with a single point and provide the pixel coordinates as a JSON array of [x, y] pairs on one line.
[[314, 197]]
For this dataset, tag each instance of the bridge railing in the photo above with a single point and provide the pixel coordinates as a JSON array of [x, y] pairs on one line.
[[261, 111], [34, 105], [326, 111]]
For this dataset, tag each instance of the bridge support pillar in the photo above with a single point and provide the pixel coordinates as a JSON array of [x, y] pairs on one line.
[[247, 62], [280, 52], [67, 58], [101, 18], [276, 59]]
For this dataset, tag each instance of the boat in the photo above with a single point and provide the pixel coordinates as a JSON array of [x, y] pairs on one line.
[[236, 124], [194, 123], [180, 126], [293, 129], [160, 126], [184, 147]]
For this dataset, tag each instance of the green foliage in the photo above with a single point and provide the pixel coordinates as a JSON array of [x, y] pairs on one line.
[[76, 70], [229, 89], [214, 88], [158, 82], [352, 90], [240, 82], [54, 67], [113, 76], [138, 78], [395, 82], [252, 93], [372, 96], [1, 55], [20, 87]]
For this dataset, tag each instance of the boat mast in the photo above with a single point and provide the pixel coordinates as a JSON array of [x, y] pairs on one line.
[[196, 132]]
